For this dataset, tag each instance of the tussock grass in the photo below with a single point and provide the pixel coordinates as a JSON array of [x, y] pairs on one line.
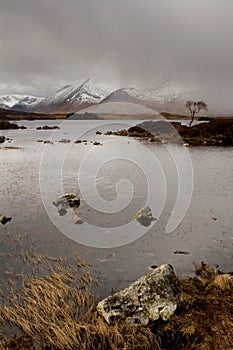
[[53, 313], [53, 309], [204, 319]]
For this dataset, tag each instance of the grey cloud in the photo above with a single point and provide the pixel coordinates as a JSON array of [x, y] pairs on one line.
[[48, 43]]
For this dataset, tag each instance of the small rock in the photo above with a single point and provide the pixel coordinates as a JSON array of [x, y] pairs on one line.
[[66, 201], [79, 222], [153, 267], [181, 252], [4, 220], [151, 297], [2, 139], [144, 216], [64, 141], [46, 127]]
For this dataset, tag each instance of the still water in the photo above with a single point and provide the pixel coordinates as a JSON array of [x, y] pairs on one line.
[[115, 180]]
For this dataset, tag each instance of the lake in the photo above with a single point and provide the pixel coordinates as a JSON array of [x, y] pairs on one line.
[[116, 179]]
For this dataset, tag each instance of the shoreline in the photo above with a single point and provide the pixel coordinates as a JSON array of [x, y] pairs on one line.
[[202, 320], [215, 132]]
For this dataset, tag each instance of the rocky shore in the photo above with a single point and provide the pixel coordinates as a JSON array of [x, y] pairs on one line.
[[213, 132], [159, 311], [5, 124]]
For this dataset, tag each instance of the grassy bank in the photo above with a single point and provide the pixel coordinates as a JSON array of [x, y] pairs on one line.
[[53, 307]]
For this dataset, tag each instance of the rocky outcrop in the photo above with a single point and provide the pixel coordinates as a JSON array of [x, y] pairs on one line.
[[151, 297], [4, 125], [216, 132]]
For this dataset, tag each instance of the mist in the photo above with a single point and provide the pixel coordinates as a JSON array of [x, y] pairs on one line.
[[47, 44]]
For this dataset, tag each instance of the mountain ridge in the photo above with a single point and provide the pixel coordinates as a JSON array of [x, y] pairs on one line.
[[163, 96]]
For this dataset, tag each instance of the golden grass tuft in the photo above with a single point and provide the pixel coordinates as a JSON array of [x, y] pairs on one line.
[[224, 281], [53, 308], [55, 315]]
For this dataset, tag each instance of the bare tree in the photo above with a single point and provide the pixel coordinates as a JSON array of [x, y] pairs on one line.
[[194, 108]]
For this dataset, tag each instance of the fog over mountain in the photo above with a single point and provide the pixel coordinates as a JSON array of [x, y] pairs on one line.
[[51, 43]]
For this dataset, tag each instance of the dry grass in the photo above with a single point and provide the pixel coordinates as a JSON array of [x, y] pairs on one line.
[[55, 313], [53, 309], [204, 319]]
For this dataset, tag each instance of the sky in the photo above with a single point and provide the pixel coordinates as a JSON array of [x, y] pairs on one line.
[[48, 43]]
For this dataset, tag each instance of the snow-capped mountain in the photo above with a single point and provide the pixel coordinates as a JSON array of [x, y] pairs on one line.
[[164, 97], [74, 97], [18, 102], [133, 95]]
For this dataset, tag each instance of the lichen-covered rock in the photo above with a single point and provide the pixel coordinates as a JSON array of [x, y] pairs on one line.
[[152, 296], [144, 216], [66, 201]]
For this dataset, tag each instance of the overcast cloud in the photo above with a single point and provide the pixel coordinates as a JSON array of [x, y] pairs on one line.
[[47, 43]]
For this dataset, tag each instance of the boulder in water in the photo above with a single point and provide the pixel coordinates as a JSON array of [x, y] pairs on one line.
[[144, 216], [66, 201]]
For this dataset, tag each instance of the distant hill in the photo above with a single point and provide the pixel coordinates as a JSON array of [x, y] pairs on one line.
[[6, 114], [119, 110], [83, 116]]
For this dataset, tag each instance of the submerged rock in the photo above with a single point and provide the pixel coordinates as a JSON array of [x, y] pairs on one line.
[[66, 201], [181, 252], [78, 141], [144, 216], [79, 221], [64, 141], [47, 127], [152, 296], [4, 220], [48, 142]]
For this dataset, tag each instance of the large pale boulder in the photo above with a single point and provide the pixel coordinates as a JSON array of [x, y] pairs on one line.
[[152, 296]]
